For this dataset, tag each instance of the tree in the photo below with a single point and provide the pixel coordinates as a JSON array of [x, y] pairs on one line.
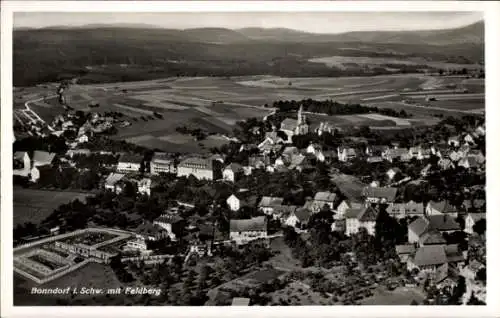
[[480, 227], [481, 275]]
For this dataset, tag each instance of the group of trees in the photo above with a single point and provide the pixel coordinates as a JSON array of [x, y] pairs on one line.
[[331, 107], [197, 133]]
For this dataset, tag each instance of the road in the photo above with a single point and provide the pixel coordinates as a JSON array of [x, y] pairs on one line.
[[31, 114]]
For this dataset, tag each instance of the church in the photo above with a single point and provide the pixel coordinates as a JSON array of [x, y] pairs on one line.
[[292, 127]]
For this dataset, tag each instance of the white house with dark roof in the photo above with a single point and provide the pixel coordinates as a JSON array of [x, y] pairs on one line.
[[129, 163], [268, 204], [364, 217], [321, 199], [441, 207], [346, 153], [112, 182], [421, 226], [22, 164], [407, 209], [168, 222], [298, 219], [42, 158], [379, 195], [430, 257], [232, 172], [471, 219], [244, 230]]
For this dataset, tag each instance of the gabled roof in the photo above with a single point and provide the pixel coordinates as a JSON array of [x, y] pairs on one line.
[[169, 218], [430, 255], [405, 249], [296, 160], [284, 209], [198, 162], [453, 253], [238, 301], [398, 152], [442, 206], [130, 158], [19, 155], [258, 223], [43, 157], [476, 216], [289, 124], [407, 208], [419, 226], [443, 222], [114, 178], [270, 201], [235, 167], [376, 192], [302, 214], [432, 237], [364, 214], [470, 160], [290, 151], [325, 196], [161, 157]]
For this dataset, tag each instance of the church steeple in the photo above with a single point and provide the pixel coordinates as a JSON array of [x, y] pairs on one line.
[[299, 116]]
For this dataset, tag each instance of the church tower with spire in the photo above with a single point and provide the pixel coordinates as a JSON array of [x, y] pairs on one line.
[[302, 127]]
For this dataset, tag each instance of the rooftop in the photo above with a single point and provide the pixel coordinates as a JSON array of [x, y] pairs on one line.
[[325, 196], [43, 157], [258, 223], [442, 206], [365, 214], [430, 255], [375, 192], [130, 158], [235, 167], [270, 201], [289, 124], [114, 178], [238, 301], [197, 161]]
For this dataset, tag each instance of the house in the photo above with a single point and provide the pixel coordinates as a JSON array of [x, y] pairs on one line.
[[426, 170], [112, 182], [442, 223], [150, 232], [379, 195], [454, 141], [392, 172], [419, 153], [471, 220], [430, 257], [325, 127], [321, 199], [316, 150], [344, 206], [137, 244], [476, 205], [144, 186], [129, 163], [82, 139], [271, 142], [394, 154], [22, 164], [161, 163], [476, 153], [293, 127], [469, 139], [78, 152], [200, 168], [445, 164], [345, 154], [245, 230], [376, 150], [268, 204], [408, 209], [233, 202], [405, 251], [441, 207], [469, 162], [374, 159], [480, 131], [42, 158], [259, 162], [170, 223], [364, 217], [37, 172], [431, 237], [239, 301], [282, 212], [300, 163], [298, 219], [232, 172]]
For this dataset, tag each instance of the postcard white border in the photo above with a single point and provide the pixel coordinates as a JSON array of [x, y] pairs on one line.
[[492, 20]]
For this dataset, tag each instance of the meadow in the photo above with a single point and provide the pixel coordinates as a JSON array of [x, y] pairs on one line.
[[35, 205]]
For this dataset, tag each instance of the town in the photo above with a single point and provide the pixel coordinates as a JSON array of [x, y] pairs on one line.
[[286, 213]]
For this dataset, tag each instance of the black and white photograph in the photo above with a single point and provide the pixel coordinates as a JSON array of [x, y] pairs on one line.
[[322, 158]]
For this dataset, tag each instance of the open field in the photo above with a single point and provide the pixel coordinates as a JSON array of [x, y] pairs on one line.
[[400, 296], [215, 104], [35, 205], [344, 62]]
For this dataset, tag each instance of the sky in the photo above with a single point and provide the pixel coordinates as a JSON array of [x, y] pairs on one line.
[[316, 22]]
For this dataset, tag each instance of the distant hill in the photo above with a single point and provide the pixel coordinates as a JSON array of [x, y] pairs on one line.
[[41, 55]]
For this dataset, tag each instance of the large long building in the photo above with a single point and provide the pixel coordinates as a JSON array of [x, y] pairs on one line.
[[200, 168], [162, 163]]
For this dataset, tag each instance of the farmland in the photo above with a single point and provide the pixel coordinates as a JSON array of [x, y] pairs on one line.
[[215, 104], [35, 205]]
